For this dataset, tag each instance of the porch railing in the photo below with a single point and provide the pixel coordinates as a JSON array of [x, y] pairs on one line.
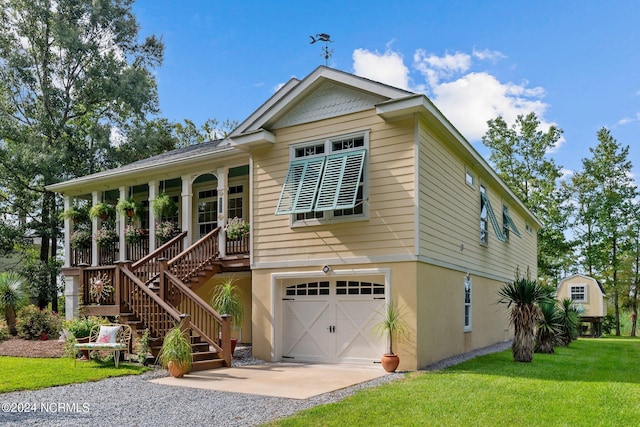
[[109, 253], [80, 256], [138, 249], [237, 246], [107, 274]]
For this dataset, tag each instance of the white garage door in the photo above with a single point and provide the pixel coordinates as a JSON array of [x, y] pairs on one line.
[[333, 321]]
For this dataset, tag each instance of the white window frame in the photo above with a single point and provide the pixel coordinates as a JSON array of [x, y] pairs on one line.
[[583, 292], [328, 216], [470, 178], [467, 304]]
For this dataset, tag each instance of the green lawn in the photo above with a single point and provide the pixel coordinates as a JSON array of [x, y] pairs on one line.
[[594, 382], [21, 373]]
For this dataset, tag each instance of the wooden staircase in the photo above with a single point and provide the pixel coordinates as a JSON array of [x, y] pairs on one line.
[[154, 293]]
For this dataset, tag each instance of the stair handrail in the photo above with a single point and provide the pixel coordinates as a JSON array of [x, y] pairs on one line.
[[144, 316], [193, 259], [207, 322], [151, 261]]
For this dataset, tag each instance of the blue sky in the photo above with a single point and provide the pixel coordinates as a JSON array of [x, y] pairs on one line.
[[575, 63]]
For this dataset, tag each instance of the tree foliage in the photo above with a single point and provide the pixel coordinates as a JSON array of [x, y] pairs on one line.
[[70, 72], [607, 213], [520, 154]]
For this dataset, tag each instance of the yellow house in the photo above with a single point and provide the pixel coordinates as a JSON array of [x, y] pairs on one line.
[[357, 194], [588, 294]]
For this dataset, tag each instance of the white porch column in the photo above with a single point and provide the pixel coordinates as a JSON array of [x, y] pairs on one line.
[[187, 210], [153, 193], [121, 221], [68, 229], [72, 293], [94, 228], [222, 175]]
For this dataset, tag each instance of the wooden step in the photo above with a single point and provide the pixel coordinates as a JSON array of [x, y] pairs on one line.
[[204, 355], [207, 364]]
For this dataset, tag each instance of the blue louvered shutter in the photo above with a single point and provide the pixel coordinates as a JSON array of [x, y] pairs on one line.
[[300, 186], [492, 217], [340, 181], [509, 222]]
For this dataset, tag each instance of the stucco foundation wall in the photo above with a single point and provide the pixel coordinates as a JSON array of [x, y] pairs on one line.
[[402, 288], [243, 281], [440, 320]]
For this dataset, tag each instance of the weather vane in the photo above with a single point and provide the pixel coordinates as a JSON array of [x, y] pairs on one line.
[[326, 38]]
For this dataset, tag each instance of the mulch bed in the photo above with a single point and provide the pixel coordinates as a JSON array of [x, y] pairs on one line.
[[19, 347]]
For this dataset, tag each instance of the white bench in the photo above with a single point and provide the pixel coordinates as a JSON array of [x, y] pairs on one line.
[[112, 337]]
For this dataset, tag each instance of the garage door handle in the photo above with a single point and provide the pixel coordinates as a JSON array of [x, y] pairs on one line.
[[332, 329]]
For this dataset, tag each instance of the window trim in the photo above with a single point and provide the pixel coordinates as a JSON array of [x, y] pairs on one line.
[[328, 217], [470, 176], [584, 292], [467, 307]]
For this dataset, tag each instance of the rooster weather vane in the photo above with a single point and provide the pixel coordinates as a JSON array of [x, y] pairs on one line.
[[326, 39]]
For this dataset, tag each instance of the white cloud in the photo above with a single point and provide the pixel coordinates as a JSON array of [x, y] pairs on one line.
[[385, 67], [488, 55], [467, 97], [628, 120]]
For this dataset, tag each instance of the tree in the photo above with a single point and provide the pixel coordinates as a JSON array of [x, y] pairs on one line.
[[607, 214], [70, 73], [524, 296], [13, 296], [548, 329], [520, 156]]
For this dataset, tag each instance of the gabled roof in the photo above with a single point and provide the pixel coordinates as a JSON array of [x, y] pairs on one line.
[[584, 276], [295, 90]]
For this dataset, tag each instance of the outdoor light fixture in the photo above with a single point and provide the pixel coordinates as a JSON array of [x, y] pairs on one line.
[[326, 269]]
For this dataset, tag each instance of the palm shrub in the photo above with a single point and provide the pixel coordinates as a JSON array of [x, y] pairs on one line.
[[4, 330], [549, 328], [13, 297], [569, 319], [522, 297]]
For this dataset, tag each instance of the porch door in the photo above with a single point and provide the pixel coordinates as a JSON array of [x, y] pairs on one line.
[[333, 322], [207, 211]]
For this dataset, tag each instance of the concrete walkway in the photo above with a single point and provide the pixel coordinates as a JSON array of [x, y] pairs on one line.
[[288, 380]]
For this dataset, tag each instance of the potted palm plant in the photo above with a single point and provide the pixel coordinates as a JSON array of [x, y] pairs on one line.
[[175, 355], [226, 299], [392, 326]]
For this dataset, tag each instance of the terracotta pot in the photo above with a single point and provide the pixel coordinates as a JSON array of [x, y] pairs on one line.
[[390, 362], [177, 370]]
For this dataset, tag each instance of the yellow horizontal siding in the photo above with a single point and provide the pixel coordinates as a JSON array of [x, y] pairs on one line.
[[450, 216], [389, 229]]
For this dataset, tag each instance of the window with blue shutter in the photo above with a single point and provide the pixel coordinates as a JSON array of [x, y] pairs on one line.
[[340, 181], [492, 218], [509, 225], [325, 179], [300, 186]]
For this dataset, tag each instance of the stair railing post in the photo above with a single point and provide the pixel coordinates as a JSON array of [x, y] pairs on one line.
[[226, 339], [162, 267]]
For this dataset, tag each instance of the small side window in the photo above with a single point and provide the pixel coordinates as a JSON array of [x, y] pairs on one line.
[[470, 178]]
